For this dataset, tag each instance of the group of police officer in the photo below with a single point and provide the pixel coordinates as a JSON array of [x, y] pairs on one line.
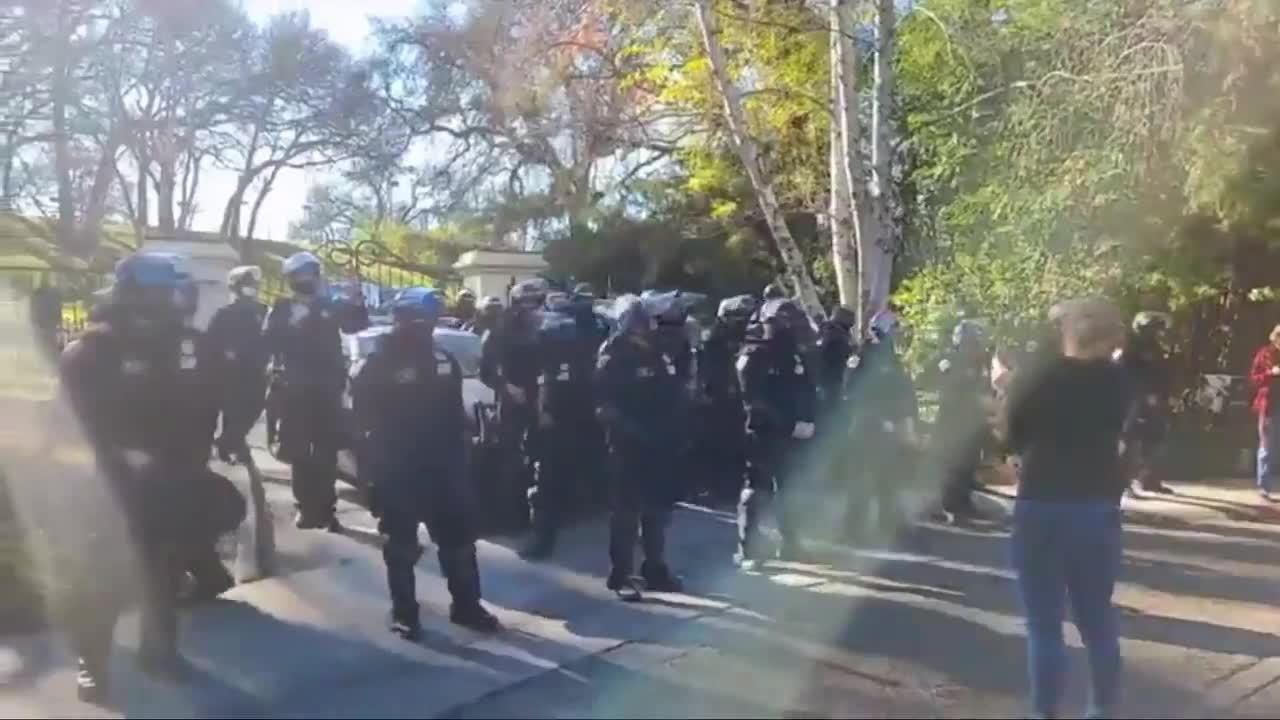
[[631, 405]]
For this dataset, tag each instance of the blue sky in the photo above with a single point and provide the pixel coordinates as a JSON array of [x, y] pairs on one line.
[[347, 22]]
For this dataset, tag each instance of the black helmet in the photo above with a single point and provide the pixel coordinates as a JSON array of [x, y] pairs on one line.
[[843, 317], [1151, 323], [666, 308], [584, 290], [738, 307], [773, 291], [529, 294], [631, 315], [968, 331], [786, 315]]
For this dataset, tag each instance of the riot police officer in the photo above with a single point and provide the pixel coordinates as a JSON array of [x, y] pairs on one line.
[[123, 379], [487, 316], [408, 403], [883, 400], [638, 396], [780, 401], [236, 341], [963, 376], [1148, 363], [302, 332], [464, 308], [568, 339], [509, 364], [723, 446], [835, 347]]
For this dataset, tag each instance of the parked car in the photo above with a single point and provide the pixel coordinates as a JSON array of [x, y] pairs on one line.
[[478, 398]]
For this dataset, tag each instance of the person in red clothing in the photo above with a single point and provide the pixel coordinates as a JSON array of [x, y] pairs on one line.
[[1264, 375]]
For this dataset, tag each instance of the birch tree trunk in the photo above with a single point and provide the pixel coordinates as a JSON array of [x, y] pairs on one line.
[[882, 187], [749, 153], [848, 181]]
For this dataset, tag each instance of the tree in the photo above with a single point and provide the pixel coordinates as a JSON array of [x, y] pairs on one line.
[[300, 105], [749, 154]]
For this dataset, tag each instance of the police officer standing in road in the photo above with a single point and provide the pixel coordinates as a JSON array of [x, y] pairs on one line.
[[408, 403], [835, 347], [723, 448], [464, 308], [1148, 364], [238, 346], [567, 428], [883, 400], [487, 318], [302, 332], [123, 381], [780, 400], [509, 365], [638, 397], [964, 392]]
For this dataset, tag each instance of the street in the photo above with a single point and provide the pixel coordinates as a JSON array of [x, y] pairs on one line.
[[933, 631]]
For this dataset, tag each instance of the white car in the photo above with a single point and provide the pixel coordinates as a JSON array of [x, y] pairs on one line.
[[478, 399]]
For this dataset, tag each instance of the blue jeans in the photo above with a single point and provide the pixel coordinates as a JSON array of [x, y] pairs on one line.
[[1268, 445], [1061, 551]]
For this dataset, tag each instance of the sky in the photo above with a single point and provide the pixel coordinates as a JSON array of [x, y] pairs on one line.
[[347, 22]]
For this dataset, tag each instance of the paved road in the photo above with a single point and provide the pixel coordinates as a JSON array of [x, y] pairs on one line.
[[925, 628]]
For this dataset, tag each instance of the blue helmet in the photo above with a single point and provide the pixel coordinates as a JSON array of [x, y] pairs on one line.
[[149, 269], [417, 305], [301, 262]]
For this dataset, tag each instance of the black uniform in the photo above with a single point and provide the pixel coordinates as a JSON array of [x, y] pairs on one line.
[[304, 337], [777, 392], [239, 349], [723, 446], [568, 431], [408, 403], [510, 357], [1148, 365], [883, 400], [144, 402], [835, 347], [639, 395], [962, 428]]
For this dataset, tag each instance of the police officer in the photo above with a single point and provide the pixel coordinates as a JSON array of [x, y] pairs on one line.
[[236, 339], [302, 333], [964, 385], [408, 403], [488, 316], [723, 449], [1148, 363], [835, 347], [464, 308], [638, 395], [567, 343], [780, 401], [509, 364], [676, 335], [883, 400], [122, 378]]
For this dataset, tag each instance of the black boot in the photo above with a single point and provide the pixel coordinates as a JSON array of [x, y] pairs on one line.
[[405, 623], [462, 573], [659, 578], [91, 682]]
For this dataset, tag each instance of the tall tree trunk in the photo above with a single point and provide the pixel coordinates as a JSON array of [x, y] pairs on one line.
[[792, 257], [165, 197], [60, 88], [142, 208], [96, 208], [882, 185], [257, 204], [845, 165], [190, 183]]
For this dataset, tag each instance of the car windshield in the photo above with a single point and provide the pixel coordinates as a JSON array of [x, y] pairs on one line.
[[463, 346]]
